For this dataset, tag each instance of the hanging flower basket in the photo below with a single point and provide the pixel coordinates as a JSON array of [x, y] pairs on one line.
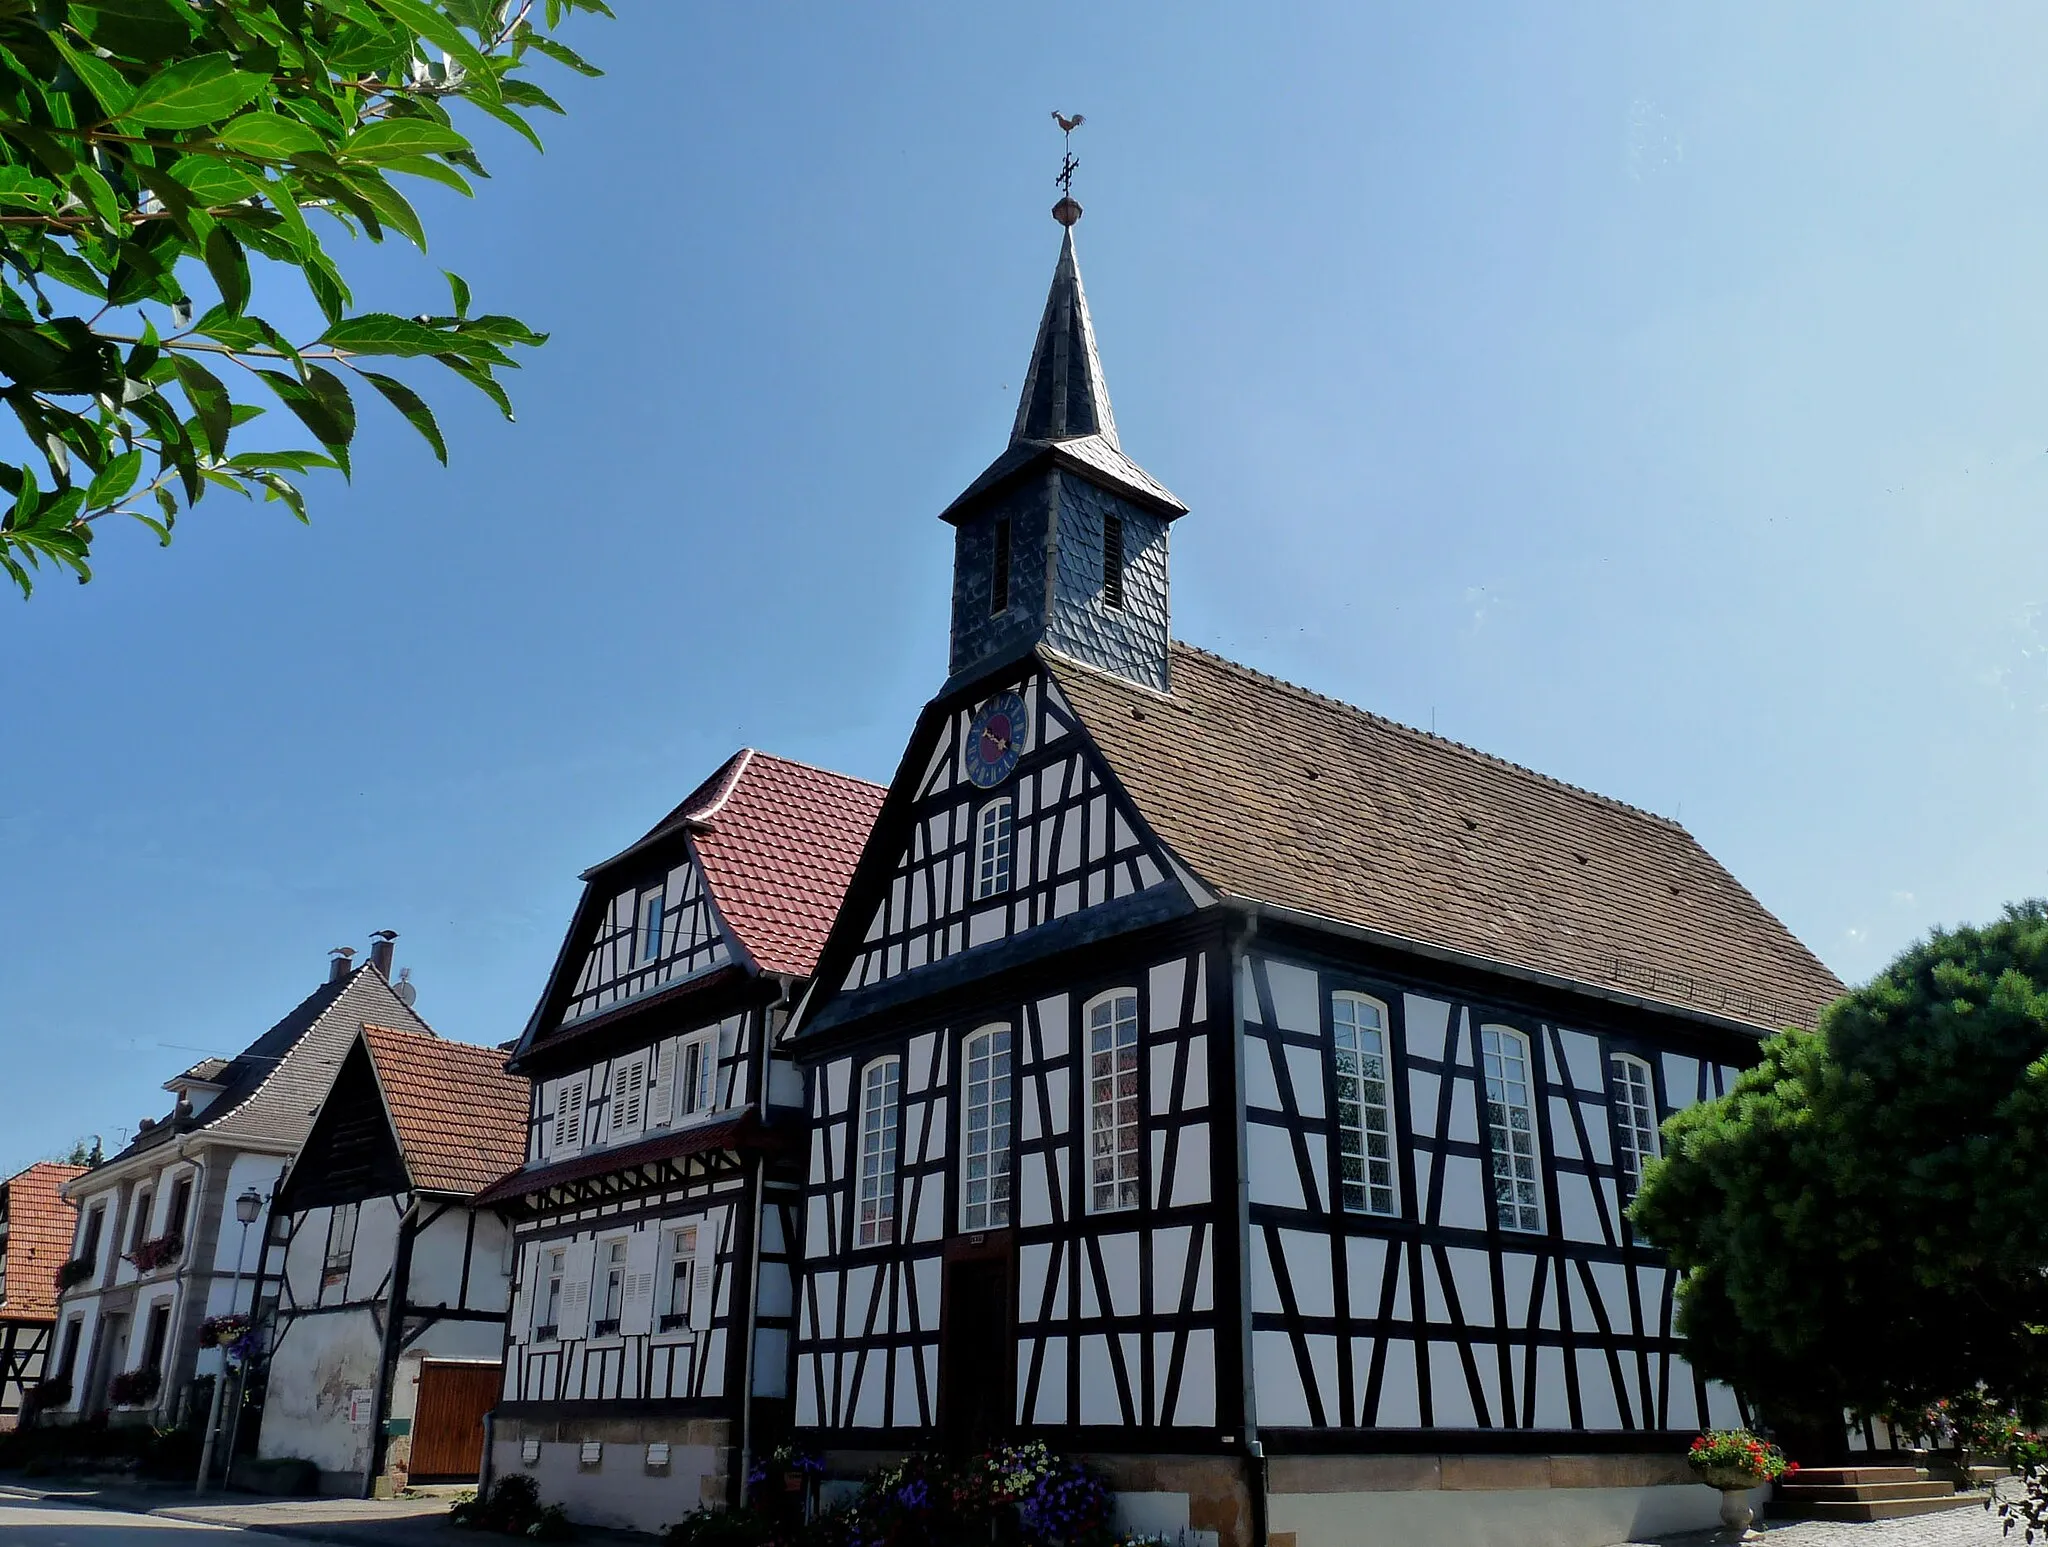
[[76, 1271]]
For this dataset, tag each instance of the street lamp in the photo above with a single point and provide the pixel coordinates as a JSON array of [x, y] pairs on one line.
[[247, 1207]]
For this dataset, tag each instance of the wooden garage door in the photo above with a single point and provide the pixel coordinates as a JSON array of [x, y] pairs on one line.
[[448, 1424]]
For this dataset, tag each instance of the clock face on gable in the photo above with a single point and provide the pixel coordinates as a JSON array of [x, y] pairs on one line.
[[994, 739]]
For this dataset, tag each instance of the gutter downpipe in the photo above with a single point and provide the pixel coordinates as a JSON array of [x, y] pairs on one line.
[[754, 1251], [1240, 938]]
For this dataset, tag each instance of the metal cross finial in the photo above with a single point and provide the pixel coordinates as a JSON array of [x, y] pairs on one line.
[[1067, 211]]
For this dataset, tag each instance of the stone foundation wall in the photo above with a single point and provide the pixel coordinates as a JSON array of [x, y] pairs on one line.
[[620, 1489]]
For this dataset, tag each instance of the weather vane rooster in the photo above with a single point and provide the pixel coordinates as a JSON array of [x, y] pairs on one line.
[[1067, 211]]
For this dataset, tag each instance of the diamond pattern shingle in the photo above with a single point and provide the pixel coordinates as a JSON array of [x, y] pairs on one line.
[[459, 1117], [1274, 794], [778, 842], [40, 1225]]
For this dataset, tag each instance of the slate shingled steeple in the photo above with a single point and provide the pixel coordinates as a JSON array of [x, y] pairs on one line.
[[1062, 539]]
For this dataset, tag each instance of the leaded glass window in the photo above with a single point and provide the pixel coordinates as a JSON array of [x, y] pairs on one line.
[[1113, 1101], [1365, 1127], [985, 1143], [1635, 1117], [1511, 1128], [881, 1085]]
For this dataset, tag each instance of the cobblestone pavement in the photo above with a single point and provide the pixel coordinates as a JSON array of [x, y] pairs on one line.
[[1971, 1527]]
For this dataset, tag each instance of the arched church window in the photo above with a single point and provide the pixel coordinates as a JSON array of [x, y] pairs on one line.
[[985, 1130], [1365, 1126], [881, 1084], [1511, 1128], [994, 832]]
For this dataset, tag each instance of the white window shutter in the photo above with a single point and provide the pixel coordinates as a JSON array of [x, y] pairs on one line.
[[661, 1094], [707, 1272], [569, 1117], [577, 1268], [630, 1104], [636, 1312], [530, 1264]]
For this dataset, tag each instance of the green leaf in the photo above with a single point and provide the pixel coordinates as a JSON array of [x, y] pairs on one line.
[[210, 401], [561, 53], [380, 333], [428, 23], [63, 356], [268, 137], [194, 93], [458, 288], [390, 139], [113, 481], [409, 403], [229, 266], [143, 30], [510, 119], [479, 377], [211, 180], [525, 94], [323, 406], [437, 171], [98, 194], [392, 206], [324, 280], [113, 93]]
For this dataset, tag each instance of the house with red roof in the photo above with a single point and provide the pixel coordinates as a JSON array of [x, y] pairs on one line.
[[657, 1209], [36, 1222], [391, 1281]]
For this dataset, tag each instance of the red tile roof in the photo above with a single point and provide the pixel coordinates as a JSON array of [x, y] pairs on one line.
[[40, 1227], [778, 841], [459, 1117], [1278, 795]]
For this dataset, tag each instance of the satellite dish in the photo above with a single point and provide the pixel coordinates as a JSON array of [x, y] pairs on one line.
[[404, 988]]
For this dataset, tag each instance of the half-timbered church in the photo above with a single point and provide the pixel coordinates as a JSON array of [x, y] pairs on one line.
[[656, 1214], [1230, 1085]]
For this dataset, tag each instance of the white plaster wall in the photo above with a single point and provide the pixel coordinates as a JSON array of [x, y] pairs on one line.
[[319, 1360], [1508, 1517], [619, 1493], [437, 1263], [244, 1171]]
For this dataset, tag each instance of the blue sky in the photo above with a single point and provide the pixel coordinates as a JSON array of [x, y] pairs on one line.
[[1657, 397]]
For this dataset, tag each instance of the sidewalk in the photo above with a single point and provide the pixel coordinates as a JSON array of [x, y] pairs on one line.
[[1974, 1526], [413, 1522]]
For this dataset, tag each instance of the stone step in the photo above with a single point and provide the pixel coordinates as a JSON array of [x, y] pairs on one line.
[[1837, 1493], [1880, 1509], [1849, 1476]]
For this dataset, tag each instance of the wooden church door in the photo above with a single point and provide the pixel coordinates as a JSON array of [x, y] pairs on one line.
[[977, 1353]]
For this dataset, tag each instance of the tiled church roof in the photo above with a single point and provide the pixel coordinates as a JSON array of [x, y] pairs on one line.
[[460, 1119], [1274, 794], [40, 1225]]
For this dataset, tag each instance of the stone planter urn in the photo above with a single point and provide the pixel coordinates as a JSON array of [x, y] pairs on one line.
[[1736, 1485]]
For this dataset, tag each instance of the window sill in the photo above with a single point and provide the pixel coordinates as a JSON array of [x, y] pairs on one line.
[[604, 1329], [547, 1334], [673, 1324]]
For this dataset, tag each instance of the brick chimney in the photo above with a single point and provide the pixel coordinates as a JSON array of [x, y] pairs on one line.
[[338, 964], [382, 944]]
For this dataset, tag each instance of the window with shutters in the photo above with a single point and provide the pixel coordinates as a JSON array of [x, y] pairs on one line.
[[1112, 1020], [181, 1205], [610, 1290], [1511, 1128], [985, 1130], [992, 849], [1365, 1129], [1634, 1102], [697, 1075], [650, 926], [95, 1221], [680, 1274], [1112, 561], [568, 1132], [880, 1088], [549, 1326], [629, 1096]]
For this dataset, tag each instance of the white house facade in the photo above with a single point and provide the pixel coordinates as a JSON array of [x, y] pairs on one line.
[[391, 1286], [155, 1254], [648, 1349]]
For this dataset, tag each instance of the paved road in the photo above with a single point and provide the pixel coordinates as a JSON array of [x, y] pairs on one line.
[[1971, 1527], [44, 1523]]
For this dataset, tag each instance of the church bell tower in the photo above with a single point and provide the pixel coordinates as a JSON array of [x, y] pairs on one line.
[[1062, 540]]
